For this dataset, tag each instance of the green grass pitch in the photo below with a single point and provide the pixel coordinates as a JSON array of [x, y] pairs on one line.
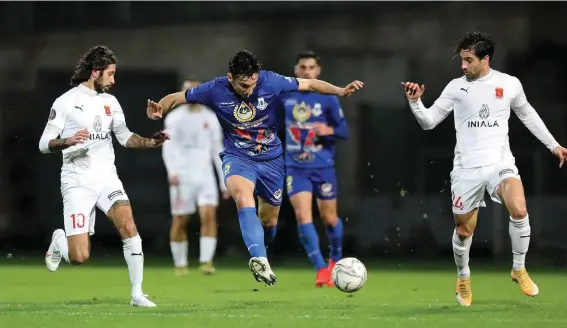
[[97, 295]]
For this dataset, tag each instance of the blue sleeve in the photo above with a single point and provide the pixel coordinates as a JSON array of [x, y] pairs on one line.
[[200, 94], [282, 83], [337, 119]]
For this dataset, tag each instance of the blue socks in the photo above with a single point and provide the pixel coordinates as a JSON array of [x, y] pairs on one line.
[[335, 235], [270, 234], [252, 231], [310, 240]]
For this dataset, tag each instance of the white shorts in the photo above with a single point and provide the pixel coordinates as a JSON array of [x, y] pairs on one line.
[[79, 204], [469, 185], [185, 196]]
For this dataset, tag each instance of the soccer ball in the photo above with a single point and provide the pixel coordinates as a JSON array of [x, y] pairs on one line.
[[349, 275]]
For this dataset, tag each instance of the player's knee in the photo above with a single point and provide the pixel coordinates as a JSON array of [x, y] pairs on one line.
[[464, 231], [329, 218], [303, 216], [179, 222], [518, 210]]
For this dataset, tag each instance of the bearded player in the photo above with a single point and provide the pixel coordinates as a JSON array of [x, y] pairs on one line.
[[481, 101], [313, 123], [79, 126], [245, 102]]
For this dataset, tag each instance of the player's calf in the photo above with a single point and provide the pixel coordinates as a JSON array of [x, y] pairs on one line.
[[79, 248], [179, 244], [268, 215], [333, 227], [465, 225], [121, 214], [208, 239]]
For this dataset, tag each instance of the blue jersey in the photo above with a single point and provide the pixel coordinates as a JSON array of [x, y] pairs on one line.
[[248, 123], [303, 148]]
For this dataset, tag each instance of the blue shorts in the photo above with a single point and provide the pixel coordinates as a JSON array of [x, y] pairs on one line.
[[267, 176], [322, 182]]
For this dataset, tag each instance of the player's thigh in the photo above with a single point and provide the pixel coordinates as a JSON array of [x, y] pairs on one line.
[[181, 198], [114, 202], [467, 190], [505, 186], [208, 193], [270, 181], [78, 210], [240, 177], [299, 190]]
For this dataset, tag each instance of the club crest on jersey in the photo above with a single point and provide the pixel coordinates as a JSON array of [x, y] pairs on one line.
[[278, 194], [244, 113], [327, 189], [484, 112], [301, 112], [262, 104], [107, 110], [499, 93], [317, 111]]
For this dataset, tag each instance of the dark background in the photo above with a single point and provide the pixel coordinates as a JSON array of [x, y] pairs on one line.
[[393, 177]]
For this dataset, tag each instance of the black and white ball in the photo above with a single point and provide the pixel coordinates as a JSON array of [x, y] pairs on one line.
[[349, 275]]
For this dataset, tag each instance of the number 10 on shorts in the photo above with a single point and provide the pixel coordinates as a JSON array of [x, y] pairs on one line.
[[78, 220]]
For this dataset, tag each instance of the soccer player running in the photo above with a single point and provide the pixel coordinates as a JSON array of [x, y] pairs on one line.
[[196, 141], [481, 101], [313, 122], [80, 125], [245, 102]]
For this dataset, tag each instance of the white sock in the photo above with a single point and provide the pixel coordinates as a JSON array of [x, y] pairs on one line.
[[179, 251], [63, 247], [461, 250], [208, 246], [135, 261], [520, 231]]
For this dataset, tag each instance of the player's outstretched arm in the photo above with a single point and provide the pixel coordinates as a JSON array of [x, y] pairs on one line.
[[157, 110], [129, 139], [531, 119], [137, 142], [327, 88], [428, 118]]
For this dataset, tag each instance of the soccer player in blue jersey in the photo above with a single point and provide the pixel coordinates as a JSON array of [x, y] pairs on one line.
[[245, 102], [313, 122]]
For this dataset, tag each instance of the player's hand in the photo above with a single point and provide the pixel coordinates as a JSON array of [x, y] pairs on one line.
[[560, 153], [322, 129], [79, 138], [154, 110], [225, 195], [413, 90], [159, 138], [351, 88], [174, 181]]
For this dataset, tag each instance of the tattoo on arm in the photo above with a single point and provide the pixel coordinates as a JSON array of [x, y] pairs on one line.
[[57, 144], [138, 142]]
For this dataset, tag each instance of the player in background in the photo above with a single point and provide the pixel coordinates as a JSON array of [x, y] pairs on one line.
[[79, 126], [245, 102], [196, 141], [313, 121], [481, 101]]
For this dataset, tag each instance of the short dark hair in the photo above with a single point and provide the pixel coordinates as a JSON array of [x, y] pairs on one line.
[[244, 64], [479, 42], [307, 55], [97, 58]]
